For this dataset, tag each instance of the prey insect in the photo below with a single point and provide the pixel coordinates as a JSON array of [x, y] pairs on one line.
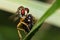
[[26, 20]]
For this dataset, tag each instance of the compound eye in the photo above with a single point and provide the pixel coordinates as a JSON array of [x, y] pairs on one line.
[[27, 10], [23, 12]]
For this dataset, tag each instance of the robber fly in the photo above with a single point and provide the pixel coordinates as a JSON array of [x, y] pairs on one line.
[[26, 20]]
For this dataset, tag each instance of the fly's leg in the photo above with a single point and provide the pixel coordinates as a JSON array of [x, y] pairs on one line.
[[18, 25], [21, 20], [22, 30], [20, 36], [26, 25], [19, 29]]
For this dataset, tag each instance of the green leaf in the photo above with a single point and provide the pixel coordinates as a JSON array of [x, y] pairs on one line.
[[49, 12]]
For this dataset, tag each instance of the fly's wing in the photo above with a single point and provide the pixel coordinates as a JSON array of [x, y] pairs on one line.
[[14, 18]]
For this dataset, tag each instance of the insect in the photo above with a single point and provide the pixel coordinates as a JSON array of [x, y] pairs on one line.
[[26, 20]]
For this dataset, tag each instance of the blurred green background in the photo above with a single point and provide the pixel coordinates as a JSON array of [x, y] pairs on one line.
[[8, 30]]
